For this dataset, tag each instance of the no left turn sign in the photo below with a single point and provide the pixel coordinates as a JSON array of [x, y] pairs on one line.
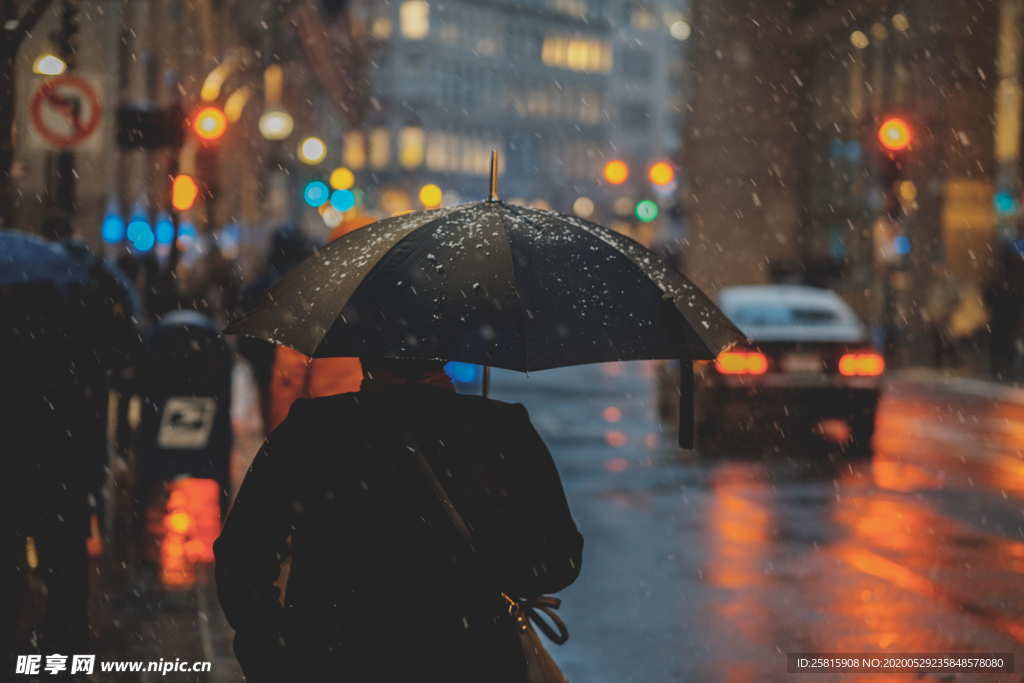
[[65, 110]]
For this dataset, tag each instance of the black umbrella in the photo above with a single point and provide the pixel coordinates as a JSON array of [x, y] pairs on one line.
[[495, 284]]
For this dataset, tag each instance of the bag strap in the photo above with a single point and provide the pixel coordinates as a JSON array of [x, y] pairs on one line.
[[523, 610], [439, 492]]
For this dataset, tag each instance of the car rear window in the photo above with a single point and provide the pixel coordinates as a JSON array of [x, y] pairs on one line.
[[762, 315]]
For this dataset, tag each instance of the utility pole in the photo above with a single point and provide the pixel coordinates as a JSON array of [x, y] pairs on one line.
[[62, 184], [13, 31]]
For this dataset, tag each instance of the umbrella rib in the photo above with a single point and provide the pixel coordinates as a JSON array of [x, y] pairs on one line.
[[588, 228], [515, 285], [526, 216], [369, 274]]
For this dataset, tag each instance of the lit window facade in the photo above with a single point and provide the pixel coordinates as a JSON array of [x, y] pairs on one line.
[[414, 19], [590, 55]]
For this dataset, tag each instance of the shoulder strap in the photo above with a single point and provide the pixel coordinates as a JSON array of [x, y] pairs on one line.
[[439, 492]]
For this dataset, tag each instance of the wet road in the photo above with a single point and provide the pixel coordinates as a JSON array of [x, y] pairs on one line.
[[711, 567]]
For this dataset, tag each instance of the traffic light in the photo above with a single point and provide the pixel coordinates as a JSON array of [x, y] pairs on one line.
[[895, 137], [661, 173], [616, 172], [646, 210], [210, 124], [184, 191], [894, 134]]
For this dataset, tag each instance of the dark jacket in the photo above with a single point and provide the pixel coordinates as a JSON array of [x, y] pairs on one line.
[[381, 586]]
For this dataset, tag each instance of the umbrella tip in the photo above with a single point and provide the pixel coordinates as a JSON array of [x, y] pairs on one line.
[[494, 176]]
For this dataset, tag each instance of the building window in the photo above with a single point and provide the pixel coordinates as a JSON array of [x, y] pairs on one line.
[[381, 28], [449, 33], [354, 154], [577, 54], [574, 8], [380, 148], [410, 147], [414, 18], [643, 18]]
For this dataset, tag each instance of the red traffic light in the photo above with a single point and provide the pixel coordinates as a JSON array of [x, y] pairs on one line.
[[184, 191], [894, 134], [616, 172], [661, 173], [210, 123]]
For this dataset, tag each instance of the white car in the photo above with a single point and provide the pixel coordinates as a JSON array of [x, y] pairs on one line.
[[809, 363]]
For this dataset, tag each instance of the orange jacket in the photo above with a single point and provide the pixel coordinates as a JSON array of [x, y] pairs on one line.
[[296, 375]]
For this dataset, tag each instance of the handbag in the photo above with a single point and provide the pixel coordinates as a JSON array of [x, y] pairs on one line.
[[525, 612]]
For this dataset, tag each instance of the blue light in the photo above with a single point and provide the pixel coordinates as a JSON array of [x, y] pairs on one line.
[[1004, 201], [164, 229], [343, 200], [144, 240], [187, 230], [463, 373], [137, 227], [316, 193], [902, 245], [113, 228]]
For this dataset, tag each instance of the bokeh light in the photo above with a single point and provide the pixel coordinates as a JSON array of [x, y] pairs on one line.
[[431, 196], [312, 150]]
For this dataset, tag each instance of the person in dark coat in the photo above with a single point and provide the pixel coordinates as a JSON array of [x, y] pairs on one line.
[[60, 343], [381, 585]]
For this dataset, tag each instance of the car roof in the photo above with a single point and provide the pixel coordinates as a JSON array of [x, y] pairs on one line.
[[845, 328]]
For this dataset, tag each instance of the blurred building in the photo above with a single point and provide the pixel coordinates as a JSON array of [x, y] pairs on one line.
[[454, 80], [784, 169], [558, 87]]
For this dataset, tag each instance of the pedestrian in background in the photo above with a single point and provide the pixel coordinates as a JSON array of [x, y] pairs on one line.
[[382, 586], [60, 341], [1004, 295]]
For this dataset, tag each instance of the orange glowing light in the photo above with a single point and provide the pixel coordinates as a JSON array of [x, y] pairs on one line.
[[894, 134], [178, 522], [184, 191], [661, 173], [616, 172], [210, 123], [741, 363], [616, 465], [612, 414], [861, 365], [615, 439]]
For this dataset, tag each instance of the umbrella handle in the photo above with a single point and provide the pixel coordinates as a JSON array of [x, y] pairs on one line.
[[487, 382], [686, 417]]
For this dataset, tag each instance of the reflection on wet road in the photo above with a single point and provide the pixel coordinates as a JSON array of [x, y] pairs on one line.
[[713, 566]]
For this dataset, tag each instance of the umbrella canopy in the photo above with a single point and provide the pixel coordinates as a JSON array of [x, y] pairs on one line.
[[490, 283], [25, 258]]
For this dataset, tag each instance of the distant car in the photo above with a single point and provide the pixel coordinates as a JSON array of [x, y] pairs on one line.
[[809, 362]]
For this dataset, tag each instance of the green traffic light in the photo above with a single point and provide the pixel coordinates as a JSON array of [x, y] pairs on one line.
[[646, 210]]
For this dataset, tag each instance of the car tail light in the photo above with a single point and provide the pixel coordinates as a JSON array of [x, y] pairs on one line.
[[864, 364], [741, 363]]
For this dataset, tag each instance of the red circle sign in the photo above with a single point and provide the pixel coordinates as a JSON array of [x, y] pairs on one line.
[[66, 110]]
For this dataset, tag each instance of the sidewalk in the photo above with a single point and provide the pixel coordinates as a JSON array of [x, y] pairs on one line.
[[950, 382]]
